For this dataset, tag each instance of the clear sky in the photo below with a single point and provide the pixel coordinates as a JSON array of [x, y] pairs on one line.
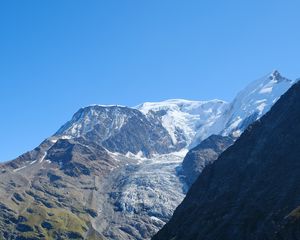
[[59, 55]]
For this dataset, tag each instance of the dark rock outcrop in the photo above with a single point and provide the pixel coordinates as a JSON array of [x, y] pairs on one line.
[[202, 155], [251, 192]]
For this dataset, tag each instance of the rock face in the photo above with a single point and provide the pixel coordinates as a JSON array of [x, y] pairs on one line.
[[112, 172], [49, 193], [204, 154], [119, 129], [251, 191]]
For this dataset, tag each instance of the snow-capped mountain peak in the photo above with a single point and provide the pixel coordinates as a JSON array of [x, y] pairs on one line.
[[88, 118], [276, 76], [254, 101], [184, 119], [175, 123]]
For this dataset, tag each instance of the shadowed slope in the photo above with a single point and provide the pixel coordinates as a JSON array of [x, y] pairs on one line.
[[251, 191]]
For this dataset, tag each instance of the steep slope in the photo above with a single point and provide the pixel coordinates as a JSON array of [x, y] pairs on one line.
[[251, 191], [111, 172], [52, 196], [119, 129], [204, 154], [185, 119], [76, 189], [254, 101], [249, 105]]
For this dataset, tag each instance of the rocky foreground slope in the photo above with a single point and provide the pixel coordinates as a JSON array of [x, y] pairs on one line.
[[202, 155], [251, 191], [115, 172]]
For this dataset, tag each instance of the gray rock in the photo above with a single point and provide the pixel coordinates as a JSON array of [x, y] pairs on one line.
[[251, 191], [119, 129], [202, 155]]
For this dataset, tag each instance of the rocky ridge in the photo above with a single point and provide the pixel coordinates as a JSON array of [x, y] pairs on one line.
[[104, 170], [250, 192]]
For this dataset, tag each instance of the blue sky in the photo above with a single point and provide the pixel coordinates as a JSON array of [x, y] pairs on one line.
[[57, 56]]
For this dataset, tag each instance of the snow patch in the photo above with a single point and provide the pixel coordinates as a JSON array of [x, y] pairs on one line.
[[55, 139], [156, 219], [18, 169], [139, 155], [266, 90], [43, 157], [261, 107]]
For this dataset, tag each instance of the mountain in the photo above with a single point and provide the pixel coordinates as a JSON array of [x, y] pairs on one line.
[[254, 101], [185, 119], [202, 155], [249, 105], [190, 122], [119, 129], [251, 191], [52, 191], [113, 172]]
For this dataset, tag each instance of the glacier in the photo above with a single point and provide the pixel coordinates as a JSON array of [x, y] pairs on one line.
[[148, 143]]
